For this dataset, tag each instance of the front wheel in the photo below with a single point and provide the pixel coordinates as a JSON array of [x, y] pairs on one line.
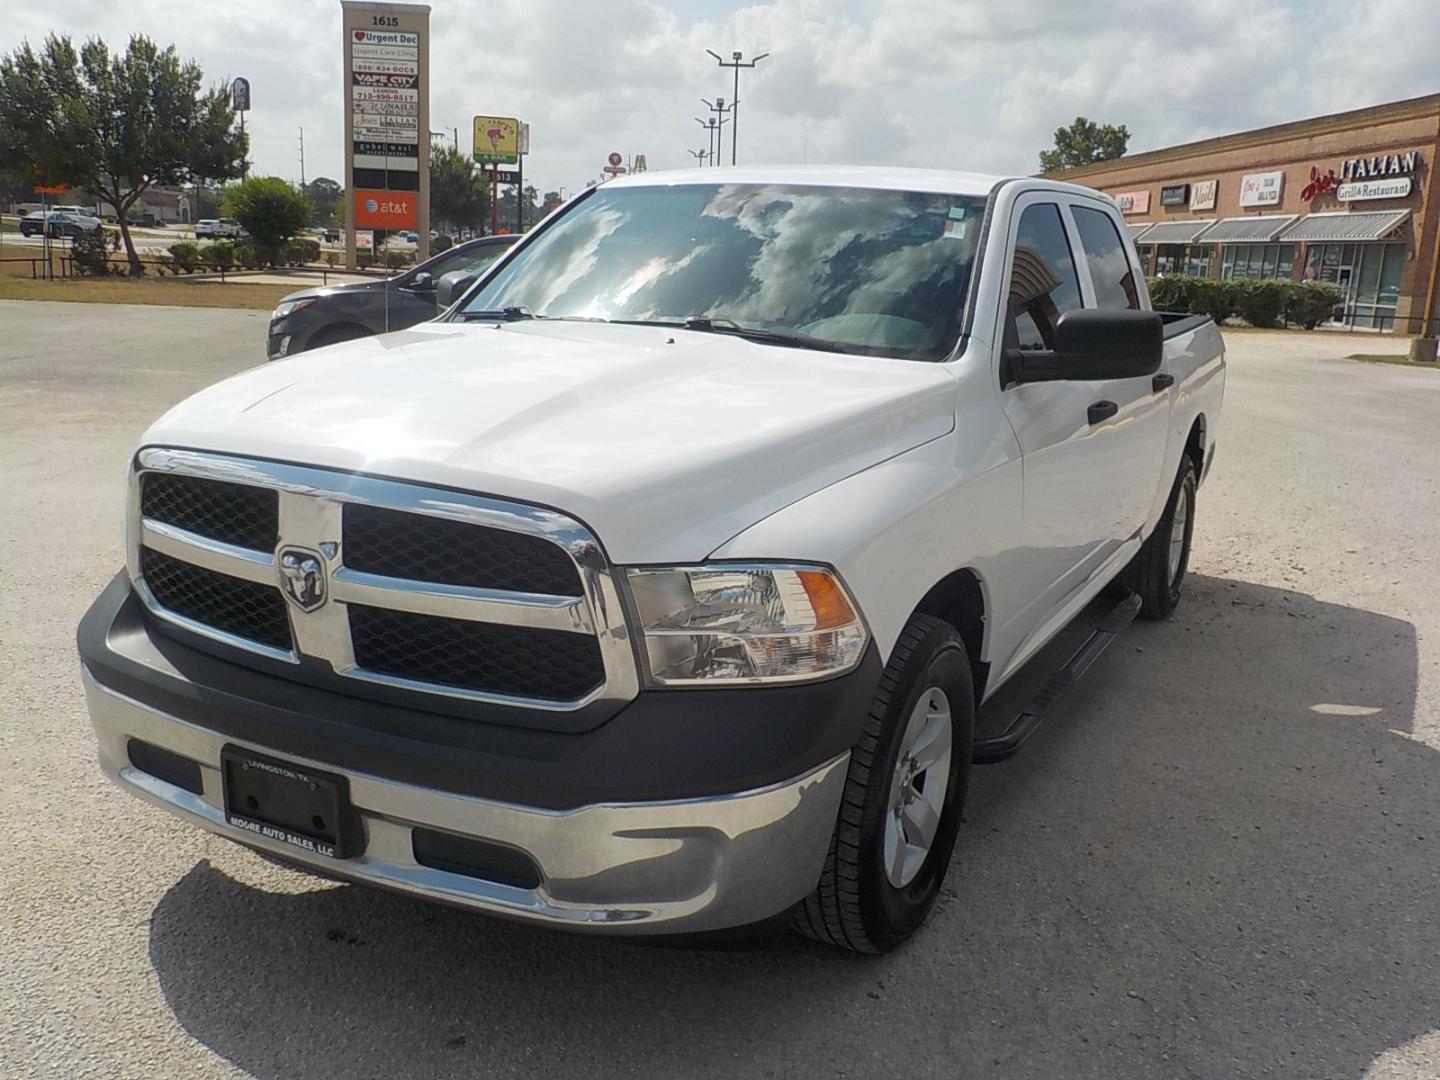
[[1157, 572], [903, 796]]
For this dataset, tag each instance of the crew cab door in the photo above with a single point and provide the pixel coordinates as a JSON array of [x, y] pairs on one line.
[[1090, 449]]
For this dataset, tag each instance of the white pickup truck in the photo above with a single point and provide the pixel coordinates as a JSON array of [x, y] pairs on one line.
[[654, 588]]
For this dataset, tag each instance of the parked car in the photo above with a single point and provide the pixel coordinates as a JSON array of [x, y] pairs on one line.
[[323, 316], [33, 223], [219, 228], [62, 222], [330, 235], [654, 588]]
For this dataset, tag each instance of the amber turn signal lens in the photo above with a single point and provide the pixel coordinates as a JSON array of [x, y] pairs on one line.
[[831, 606]]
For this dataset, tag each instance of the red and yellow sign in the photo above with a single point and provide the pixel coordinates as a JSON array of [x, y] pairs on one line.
[[386, 209], [497, 140], [51, 189]]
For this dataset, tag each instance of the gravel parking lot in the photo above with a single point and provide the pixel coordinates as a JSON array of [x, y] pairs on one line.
[[1221, 858]]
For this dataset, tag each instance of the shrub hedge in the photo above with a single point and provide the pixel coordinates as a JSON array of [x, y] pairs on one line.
[[300, 251], [185, 256], [1260, 302], [90, 253], [218, 256]]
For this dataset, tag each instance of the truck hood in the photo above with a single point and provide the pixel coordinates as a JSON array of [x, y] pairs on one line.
[[665, 442]]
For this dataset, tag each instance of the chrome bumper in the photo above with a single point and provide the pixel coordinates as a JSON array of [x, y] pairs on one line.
[[658, 867]]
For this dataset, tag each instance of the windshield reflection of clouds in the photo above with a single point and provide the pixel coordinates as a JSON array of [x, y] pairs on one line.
[[884, 270]]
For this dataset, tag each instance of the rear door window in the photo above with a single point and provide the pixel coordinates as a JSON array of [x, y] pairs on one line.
[[1110, 271]]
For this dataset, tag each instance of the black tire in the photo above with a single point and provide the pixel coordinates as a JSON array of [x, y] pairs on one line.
[[1149, 572], [854, 905]]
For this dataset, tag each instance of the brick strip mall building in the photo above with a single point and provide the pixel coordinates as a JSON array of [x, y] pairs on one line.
[[1352, 199]]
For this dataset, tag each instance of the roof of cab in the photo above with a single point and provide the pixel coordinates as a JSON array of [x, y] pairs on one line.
[[854, 176]]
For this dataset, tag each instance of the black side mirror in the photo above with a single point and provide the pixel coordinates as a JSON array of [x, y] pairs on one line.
[[451, 287], [1094, 345], [422, 282]]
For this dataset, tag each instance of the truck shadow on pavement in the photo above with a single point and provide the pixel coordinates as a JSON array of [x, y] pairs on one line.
[[1218, 859]]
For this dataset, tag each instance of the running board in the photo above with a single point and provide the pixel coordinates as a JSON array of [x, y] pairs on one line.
[[1024, 725]]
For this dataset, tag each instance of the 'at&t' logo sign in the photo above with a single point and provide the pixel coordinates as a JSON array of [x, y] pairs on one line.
[[377, 209], [385, 206]]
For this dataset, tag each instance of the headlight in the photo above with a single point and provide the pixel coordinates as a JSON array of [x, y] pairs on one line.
[[289, 307], [745, 624]]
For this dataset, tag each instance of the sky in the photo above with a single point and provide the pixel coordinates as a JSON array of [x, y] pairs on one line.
[[932, 83]]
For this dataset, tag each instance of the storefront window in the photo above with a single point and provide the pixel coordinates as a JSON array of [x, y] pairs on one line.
[[1257, 261], [1368, 274], [1169, 259], [1191, 260], [1393, 264]]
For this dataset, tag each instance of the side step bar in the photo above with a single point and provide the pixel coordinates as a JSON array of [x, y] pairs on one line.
[[1028, 721]]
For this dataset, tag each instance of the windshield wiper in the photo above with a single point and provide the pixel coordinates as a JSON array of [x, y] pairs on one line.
[[706, 324], [505, 314]]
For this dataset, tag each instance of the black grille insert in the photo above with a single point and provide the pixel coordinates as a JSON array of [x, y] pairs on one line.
[[519, 661], [424, 548], [237, 514], [229, 604], [474, 858]]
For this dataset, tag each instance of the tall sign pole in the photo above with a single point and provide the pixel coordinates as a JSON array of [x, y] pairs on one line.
[[496, 141], [386, 72], [240, 99]]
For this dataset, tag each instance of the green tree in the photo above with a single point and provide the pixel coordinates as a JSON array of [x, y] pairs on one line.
[[510, 218], [459, 194], [115, 125], [270, 210], [1083, 143], [326, 195]]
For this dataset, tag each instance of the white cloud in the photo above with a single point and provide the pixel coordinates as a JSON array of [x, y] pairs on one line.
[[943, 83]]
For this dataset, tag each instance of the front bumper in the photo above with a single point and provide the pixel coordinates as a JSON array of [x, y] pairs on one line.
[[659, 867], [688, 812], [277, 342]]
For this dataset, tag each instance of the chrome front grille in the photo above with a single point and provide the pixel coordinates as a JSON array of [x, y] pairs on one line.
[[390, 583]]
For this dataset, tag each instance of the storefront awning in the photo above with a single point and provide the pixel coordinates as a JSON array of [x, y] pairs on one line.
[[1248, 230], [1177, 232], [1363, 225], [1139, 229]]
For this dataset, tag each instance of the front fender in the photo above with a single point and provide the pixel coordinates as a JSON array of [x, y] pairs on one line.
[[899, 527]]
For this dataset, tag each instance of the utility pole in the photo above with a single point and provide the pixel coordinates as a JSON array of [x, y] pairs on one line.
[[699, 155], [737, 63], [302, 160]]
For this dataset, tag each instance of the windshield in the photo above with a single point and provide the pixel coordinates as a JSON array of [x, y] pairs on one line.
[[856, 269]]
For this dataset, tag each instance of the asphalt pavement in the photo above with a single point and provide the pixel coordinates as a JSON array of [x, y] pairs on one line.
[[1220, 858]]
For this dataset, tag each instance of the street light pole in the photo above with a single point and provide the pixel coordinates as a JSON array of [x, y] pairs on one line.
[[709, 126], [737, 63], [719, 108], [716, 134], [699, 155]]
